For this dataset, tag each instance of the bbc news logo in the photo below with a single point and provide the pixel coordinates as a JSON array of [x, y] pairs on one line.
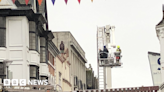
[[23, 82]]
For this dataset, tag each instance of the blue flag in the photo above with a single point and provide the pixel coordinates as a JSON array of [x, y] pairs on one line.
[[53, 1]]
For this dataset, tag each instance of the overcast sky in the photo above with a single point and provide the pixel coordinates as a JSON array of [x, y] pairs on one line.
[[135, 33]]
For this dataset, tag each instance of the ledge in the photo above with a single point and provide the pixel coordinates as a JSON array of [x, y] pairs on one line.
[[23, 12], [77, 51]]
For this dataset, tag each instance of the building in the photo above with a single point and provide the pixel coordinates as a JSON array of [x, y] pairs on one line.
[[25, 40], [63, 72], [91, 80], [53, 52], [154, 61], [77, 59], [160, 35]]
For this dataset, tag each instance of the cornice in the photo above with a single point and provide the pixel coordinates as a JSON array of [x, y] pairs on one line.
[[29, 13]]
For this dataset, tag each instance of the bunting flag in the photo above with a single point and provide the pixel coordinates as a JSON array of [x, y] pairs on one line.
[[53, 1], [92, 0], [66, 1], [26, 2], [79, 1], [13, 1], [0, 0], [40, 2]]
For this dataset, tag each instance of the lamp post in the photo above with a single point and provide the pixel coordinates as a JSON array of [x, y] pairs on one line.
[[8, 62]]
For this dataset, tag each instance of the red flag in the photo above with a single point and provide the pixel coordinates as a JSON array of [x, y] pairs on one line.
[[26, 2], [66, 1], [13, 1], [79, 1], [40, 2]]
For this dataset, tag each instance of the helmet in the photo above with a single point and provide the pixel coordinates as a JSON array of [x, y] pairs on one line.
[[118, 46]]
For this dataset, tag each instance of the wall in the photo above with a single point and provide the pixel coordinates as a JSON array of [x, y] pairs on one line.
[[59, 68], [77, 67], [17, 46]]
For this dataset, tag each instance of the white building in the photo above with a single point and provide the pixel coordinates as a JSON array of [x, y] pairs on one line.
[[160, 35], [24, 40]]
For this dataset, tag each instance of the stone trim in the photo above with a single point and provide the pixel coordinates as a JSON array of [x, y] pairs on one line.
[[66, 81]]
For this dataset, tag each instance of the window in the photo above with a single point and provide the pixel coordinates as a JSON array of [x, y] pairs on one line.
[[51, 58], [34, 72], [59, 80], [43, 55], [33, 36], [2, 69], [2, 31], [43, 50]]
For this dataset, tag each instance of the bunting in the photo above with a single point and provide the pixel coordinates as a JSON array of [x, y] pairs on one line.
[[91, 0], [13, 1], [40, 2], [26, 2], [66, 1], [0, 0], [53, 1], [79, 1]]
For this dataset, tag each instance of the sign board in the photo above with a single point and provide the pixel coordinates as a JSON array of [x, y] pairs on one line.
[[155, 67]]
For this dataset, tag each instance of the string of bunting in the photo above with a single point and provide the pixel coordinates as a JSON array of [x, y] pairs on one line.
[[40, 1]]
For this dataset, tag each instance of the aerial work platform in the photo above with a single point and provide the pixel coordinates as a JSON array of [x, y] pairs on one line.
[[109, 61]]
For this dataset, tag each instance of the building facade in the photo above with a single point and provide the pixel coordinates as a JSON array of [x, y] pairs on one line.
[[63, 72], [160, 35], [24, 40], [76, 57], [91, 80]]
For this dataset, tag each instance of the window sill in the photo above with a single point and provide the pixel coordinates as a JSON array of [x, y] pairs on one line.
[[3, 48]]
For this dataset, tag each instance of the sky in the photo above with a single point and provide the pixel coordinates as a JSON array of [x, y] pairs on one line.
[[134, 21]]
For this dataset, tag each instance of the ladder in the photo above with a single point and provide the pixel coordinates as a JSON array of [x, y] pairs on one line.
[[101, 41]]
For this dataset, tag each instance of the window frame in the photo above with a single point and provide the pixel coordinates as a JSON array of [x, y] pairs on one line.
[[3, 27], [36, 74]]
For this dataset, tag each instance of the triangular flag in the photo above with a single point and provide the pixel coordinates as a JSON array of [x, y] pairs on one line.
[[0, 0], [13, 1], [26, 2], [79, 1], [53, 1], [92, 0], [40, 2], [66, 1]]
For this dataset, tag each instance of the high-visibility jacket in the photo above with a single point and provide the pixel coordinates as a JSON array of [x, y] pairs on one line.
[[118, 49]]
